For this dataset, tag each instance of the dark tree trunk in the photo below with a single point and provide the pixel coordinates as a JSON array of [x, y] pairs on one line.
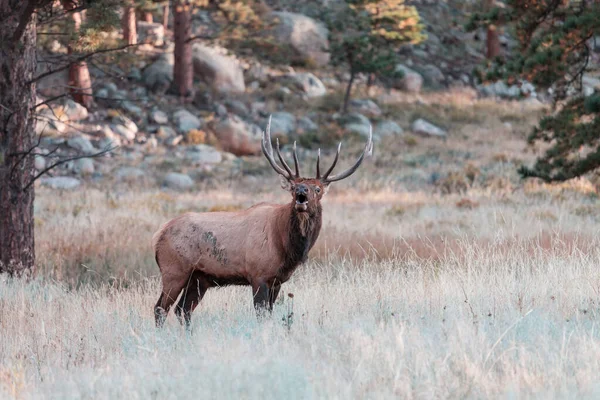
[[492, 42], [348, 92], [17, 136], [128, 24], [165, 16], [183, 72], [80, 82]]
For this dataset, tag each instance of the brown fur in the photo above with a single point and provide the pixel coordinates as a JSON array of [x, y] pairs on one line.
[[261, 246]]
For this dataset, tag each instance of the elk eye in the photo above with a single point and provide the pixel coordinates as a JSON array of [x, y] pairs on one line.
[[317, 190]]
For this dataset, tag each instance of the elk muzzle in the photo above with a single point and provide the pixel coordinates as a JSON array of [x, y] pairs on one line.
[[301, 197]]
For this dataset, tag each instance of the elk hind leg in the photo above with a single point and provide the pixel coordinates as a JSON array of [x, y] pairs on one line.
[[172, 286], [193, 293], [261, 293]]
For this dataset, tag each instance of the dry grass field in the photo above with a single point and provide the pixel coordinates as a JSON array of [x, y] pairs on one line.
[[470, 288]]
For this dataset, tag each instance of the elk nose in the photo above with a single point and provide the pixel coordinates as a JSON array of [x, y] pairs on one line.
[[302, 189]]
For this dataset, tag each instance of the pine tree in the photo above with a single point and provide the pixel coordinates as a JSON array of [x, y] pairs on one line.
[[365, 36], [554, 53]]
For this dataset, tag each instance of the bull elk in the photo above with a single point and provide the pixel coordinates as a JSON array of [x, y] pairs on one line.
[[261, 246]]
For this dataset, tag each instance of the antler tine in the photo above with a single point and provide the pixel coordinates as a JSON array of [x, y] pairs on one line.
[[285, 165], [367, 151], [267, 149], [335, 160], [296, 163], [318, 164]]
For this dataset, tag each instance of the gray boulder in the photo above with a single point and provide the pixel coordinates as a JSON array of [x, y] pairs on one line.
[[84, 166], [124, 127], [61, 182], [82, 144], [178, 181], [185, 121], [411, 81], [151, 33], [365, 106], [387, 128], [357, 123], [223, 73], [159, 116], [422, 127], [203, 154], [237, 136], [282, 124], [307, 83], [306, 124], [158, 76], [304, 35], [130, 174]]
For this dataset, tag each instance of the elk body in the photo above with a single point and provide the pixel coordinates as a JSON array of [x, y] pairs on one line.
[[260, 247]]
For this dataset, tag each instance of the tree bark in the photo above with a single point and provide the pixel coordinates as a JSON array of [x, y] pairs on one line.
[[165, 16], [128, 24], [147, 16], [80, 82], [183, 72], [348, 92], [17, 136], [492, 42]]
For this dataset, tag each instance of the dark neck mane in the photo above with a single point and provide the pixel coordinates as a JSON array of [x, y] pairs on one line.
[[302, 233]]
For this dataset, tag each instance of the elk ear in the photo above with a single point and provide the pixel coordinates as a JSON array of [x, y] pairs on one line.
[[285, 183]]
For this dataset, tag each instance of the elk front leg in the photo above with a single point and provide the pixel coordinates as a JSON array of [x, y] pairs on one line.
[[261, 294]]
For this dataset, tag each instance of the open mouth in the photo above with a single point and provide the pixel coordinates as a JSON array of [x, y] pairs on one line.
[[301, 202]]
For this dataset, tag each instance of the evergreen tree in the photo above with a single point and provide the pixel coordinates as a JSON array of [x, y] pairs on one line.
[[554, 53], [366, 34]]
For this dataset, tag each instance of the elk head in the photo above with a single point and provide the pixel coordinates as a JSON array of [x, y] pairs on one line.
[[308, 192]]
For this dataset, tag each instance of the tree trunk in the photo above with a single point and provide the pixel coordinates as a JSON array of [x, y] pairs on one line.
[[80, 82], [183, 72], [147, 16], [165, 16], [348, 92], [492, 42], [17, 136], [128, 24]]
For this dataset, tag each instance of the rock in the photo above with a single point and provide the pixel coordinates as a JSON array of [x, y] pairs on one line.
[[305, 36], [158, 76], [61, 182], [165, 132], [307, 83], [237, 107], [132, 109], [130, 174], [411, 81], [39, 162], [432, 76], [124, 127], [158, 116], [357, 123], [306, 124], [84, 166], [203, 154], [282, 124], [220, 110], [82, 144], [222, 73], [174, 141], [48, 123], [107, 142], [387, 128], [422, 127], [151, 33], [134, 74], [590, 84], [365, 106], [68, 110], [175, 180], [185, 121], [237, 136]]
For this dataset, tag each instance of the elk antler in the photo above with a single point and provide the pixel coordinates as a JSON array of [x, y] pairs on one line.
[[267, 149], [367, 151]]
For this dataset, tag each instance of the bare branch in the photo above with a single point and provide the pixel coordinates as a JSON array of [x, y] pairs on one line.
[[77, 60], [66, 160]]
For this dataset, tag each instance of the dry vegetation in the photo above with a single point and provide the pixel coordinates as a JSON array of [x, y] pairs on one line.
[[479, 286]]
